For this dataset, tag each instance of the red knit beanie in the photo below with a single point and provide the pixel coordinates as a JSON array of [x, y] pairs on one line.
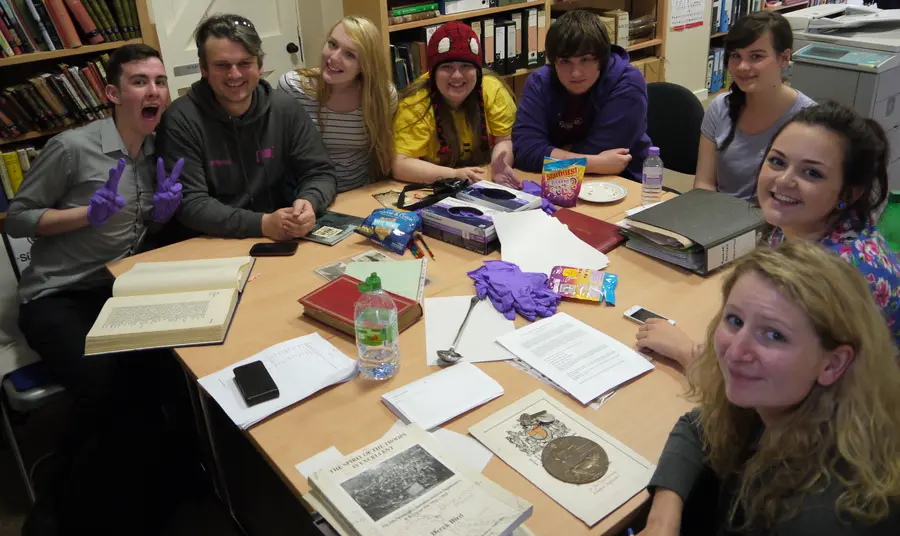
[[453, 41]]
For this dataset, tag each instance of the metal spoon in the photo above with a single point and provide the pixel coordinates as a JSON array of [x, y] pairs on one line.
[[451, 356]]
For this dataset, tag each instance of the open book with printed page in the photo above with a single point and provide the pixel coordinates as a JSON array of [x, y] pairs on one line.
[[169, 304]]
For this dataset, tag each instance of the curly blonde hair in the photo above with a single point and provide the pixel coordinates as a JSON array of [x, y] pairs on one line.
[[848, 432], [374, 76]]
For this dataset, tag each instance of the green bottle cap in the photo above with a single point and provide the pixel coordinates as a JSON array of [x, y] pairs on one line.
[[371, 284], [894, 196]]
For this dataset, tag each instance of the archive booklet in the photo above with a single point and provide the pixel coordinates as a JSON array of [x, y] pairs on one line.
[[168, 304]]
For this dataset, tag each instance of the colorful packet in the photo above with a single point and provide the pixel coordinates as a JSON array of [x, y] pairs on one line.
[[610, 281], [561, 180], [578, 283], [391, 228]]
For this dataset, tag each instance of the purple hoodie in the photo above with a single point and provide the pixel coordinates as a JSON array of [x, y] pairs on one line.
[[619, 99]]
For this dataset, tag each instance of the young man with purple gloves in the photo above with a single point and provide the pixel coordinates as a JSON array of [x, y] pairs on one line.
[[588, 101]]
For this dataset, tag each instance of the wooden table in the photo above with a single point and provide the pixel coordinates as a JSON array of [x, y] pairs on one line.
[[351, 415]]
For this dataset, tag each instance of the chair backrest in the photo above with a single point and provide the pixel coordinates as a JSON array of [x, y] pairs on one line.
[[14, 351], [674, 117]]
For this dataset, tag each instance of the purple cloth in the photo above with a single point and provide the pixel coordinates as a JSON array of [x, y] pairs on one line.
[[167, 198], [533, 188], [513, 291], [619, 101], [106, 201]]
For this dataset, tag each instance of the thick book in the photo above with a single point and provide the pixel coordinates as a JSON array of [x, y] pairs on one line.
[[407, 483], [723, 226], [598, 234], [333, 302], [169, 304], [87, 25], [333, 227], [63, 22]]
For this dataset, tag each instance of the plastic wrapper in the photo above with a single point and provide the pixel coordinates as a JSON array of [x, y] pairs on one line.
[[561, 180], [577, 283], [391, 228]]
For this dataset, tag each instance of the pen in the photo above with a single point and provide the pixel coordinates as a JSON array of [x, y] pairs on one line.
[[428, 249], [415, 250]]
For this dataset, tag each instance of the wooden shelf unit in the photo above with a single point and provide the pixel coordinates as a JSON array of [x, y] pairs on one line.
[[8, 64], [377, 12]]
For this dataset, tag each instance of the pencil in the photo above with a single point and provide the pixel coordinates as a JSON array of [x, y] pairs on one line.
[[428, 249], [415, 250]]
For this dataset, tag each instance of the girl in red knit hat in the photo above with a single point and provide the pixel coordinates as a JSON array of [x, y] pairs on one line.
[[455, 118]]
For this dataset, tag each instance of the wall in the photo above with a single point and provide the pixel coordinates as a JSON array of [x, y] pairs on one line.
[[316, 18], [686, 53]]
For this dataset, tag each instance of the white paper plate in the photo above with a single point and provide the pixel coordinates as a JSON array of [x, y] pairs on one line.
[[602, 192]]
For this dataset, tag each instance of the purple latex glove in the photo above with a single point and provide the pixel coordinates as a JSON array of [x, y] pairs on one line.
[[513, 291], [106, 201], [167, 198], [533, 188], [503, 174]]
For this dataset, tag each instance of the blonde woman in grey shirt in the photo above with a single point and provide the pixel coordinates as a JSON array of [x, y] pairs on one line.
[[351, 100], [739, 125]]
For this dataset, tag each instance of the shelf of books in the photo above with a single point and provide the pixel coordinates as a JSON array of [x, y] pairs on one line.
[[53, 56], [512, 31], [724, 14]]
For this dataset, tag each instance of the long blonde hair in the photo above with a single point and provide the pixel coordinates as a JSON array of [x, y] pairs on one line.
[[475, 116], [848, 432], [375, 78]]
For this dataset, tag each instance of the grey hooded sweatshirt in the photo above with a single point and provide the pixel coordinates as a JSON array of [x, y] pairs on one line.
[[238, 168]]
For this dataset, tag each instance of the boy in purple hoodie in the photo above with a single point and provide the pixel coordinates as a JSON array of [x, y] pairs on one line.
[[588, 101]]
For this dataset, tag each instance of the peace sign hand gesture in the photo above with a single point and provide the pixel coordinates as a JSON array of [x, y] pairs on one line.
[[167, 198], [106, 201]]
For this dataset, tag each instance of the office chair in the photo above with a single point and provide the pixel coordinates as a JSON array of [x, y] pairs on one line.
[[674, 116]]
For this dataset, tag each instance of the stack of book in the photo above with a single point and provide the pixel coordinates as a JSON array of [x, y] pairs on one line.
[[56, 100], [13, 166], [400, 11], [406, 483], [28, 26]]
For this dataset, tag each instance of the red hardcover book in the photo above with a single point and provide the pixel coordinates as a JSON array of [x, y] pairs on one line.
[[333, 302], [13, 44], [88, 28], [63, 23], [598, 234]]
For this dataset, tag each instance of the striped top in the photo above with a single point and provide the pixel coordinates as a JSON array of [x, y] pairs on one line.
[[345, 135]]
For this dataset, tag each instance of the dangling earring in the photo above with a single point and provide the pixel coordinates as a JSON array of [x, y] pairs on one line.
[[842, 205]]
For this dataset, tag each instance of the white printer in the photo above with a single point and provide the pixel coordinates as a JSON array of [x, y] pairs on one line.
[[851, 54]]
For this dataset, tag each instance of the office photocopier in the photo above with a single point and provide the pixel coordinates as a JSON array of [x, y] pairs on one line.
[[851, 54]]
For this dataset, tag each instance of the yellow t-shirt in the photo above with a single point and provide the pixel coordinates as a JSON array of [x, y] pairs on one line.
[[415, 133]]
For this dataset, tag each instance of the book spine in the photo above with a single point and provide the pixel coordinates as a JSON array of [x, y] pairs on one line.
[[16, 112], [54, 104], [24, 163], [409, 10], [133, 21], [31, 108], [48, 23], [14, 169], [424, 15], [70, 87], [97, 20], [5, 179], [92, 101], [42, 29], [15, 28], [95, 84], [61, 93], [5, 38], [10, 129], [64, 23], [87, 25], [107, 14], [122, 19], [42, 105]]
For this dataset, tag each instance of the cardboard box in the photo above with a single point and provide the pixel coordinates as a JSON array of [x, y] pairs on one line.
[[610, 24], [653, 70], [621, 17], [462, 224]]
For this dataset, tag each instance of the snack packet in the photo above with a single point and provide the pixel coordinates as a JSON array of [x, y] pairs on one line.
[[578, 283], [561, 180], [391, 228], [610, 281]]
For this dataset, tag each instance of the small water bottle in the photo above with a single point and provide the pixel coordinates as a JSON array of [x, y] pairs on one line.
[[889, 223], [652, 179], [377, 335]]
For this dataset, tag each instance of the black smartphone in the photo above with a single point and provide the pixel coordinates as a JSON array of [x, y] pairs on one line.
[[255, 383], [273, 249]]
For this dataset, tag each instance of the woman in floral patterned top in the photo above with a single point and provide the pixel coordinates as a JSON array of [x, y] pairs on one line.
[[823, 179]]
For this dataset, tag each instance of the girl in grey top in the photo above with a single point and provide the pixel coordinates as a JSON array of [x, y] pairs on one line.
[[739, 125], [351, 100]]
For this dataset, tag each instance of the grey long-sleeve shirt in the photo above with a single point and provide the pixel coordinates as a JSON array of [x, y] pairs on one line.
[[70, 168], [683, 461]]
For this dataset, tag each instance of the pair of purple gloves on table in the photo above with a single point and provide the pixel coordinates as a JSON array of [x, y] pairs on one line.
[[106, 201], [513, 291], [533, 188]]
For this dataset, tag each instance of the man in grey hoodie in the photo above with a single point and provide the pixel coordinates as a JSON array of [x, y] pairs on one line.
[[254, 163]]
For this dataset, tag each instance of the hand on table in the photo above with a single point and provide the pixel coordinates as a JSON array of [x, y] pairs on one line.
[[106, 201], [503, 174], [167, 198], [616, 159], [273, 224], [471, 174], [302, 220], [666, 340]]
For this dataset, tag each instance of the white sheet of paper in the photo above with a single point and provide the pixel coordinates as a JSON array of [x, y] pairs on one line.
[[443, 395], [585, 362], [319, 461], [299, 367], [464, 447], [536, 243], [443, 316]]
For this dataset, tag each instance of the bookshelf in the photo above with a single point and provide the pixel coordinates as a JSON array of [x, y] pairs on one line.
[[377, 12], [16, 69]]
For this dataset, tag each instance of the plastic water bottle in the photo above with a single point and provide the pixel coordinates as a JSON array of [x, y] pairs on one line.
[[889, 223], [652, 179], [375, 322]]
